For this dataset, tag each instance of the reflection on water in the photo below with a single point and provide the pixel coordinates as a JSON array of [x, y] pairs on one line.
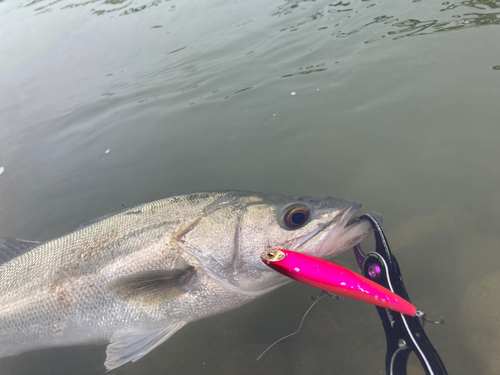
[[307, 70], [405, 27], [99, 7], [413, 27], [454, 15]]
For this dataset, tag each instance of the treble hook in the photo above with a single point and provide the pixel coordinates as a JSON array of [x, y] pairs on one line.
[[323, 292], [423, 318]]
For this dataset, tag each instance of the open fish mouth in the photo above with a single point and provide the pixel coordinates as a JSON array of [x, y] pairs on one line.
[[355, 231], [339, 235]]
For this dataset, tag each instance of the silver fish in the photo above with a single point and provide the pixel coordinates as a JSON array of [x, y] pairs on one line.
[[135, 277]]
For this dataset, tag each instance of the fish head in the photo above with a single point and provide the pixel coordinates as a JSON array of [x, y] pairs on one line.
[[230, 238]]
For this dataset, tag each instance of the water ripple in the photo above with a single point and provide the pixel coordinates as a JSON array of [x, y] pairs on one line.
[[344, 16], [307, 70], [237, 92], [478, 4], [100, 7], [341, 17]]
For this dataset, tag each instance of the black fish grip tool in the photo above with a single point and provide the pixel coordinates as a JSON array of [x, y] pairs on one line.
[[404, 334]]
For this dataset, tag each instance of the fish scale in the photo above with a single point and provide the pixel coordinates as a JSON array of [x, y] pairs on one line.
[[135, 277]]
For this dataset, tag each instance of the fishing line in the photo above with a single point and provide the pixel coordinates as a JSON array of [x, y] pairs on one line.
[[316, 300]]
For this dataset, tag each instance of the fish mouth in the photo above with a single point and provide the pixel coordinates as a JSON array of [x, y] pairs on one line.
[[338, 235]]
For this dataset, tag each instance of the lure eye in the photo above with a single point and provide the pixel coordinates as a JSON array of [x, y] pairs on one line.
[[295, 216]]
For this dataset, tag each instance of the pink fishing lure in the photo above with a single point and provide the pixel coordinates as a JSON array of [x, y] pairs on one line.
[[333, 278]]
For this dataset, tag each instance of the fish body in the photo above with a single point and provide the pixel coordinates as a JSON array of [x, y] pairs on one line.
[[134, 278]]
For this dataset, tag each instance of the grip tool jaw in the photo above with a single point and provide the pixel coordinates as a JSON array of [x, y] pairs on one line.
[[404, 334]]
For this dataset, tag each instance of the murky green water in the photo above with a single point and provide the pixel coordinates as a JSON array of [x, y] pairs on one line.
[[393, 103]]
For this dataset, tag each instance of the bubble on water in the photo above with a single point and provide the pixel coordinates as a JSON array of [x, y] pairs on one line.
[[107, 151], [2, 169], [293, 93]]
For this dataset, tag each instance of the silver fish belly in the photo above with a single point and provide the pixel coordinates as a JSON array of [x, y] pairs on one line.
[[134, 278]]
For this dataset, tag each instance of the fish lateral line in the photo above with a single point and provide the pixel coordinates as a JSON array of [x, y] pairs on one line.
[[137, 275]]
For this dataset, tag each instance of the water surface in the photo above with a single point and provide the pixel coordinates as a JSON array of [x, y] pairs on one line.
[[393, 103]]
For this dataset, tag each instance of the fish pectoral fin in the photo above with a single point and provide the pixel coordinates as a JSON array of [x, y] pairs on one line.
[[151, 287], [133, 344], [11, 248]]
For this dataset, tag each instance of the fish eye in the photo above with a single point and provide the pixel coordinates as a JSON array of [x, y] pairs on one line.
[[295, 216]]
